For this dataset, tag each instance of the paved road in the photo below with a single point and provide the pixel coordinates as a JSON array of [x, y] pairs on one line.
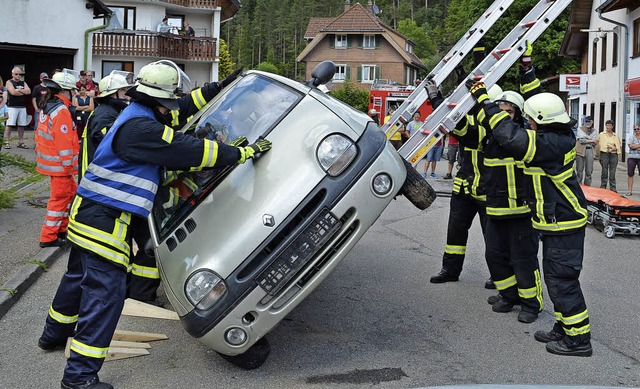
[[375, 322]]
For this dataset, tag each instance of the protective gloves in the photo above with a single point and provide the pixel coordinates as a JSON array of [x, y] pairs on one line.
[[478, 90], [230, 78], [431, 87], [487, 113], [239, 142], [251, 151], [525, 60]]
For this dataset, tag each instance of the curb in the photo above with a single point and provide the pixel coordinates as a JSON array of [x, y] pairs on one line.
[[20, 282]]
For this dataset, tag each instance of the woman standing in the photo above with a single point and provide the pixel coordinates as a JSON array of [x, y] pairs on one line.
[[633, 160], [610, 146], [84, 106]]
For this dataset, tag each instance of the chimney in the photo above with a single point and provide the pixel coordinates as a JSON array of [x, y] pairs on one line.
[[370, 7], [347, 5]]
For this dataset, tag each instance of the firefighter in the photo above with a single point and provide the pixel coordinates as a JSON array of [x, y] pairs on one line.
[[57, 154], [120, 184], [396, 139], [558, 209]]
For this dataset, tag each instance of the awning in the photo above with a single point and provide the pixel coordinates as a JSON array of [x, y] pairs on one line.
[[632, 88]]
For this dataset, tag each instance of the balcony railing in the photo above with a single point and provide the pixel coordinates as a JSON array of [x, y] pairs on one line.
[[208, 4], [151, 44]]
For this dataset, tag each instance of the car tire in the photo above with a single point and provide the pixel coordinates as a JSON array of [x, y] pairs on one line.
[[416, 189], [253, 358]]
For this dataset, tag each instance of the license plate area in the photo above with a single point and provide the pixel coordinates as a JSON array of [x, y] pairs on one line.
[[299, 252]]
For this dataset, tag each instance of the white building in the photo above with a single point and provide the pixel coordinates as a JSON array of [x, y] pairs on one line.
[[605, 34]]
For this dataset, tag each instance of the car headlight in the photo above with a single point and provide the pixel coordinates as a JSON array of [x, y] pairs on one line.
[[335, 153], [382, 184], [204, 288]]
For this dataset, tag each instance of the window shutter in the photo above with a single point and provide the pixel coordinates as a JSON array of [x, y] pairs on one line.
[[359, 74], [349, 40], [347, 73], [332, 41], [377, 72], [360, 41], [377, 38]]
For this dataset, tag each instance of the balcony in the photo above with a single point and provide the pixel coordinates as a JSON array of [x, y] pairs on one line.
[[153, 45]]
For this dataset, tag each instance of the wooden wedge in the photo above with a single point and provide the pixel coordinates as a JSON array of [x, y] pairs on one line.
[[140, 309], [137, 336], [116, 353], [128, 344]]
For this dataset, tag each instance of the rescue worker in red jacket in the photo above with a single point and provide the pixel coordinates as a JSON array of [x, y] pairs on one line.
[[558, 210], [121, 184], [57, 155]]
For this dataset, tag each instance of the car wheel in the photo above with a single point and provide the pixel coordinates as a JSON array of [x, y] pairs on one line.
[[416, 188], [253, 358]]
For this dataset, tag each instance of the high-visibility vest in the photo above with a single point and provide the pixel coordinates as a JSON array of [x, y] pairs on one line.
[[57, 144]]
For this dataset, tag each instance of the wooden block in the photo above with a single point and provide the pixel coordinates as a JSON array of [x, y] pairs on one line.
[[116, 353], [127, 344], [140, 309], [136, 336]]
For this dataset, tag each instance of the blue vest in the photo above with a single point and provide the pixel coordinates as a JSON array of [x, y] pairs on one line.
[[129, 187]]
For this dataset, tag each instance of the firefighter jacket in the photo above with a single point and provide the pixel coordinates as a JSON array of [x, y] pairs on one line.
[[557, 203], [470, 178], [125, 174], [192, 103], [56, 140], [529, 83], [99, 122]]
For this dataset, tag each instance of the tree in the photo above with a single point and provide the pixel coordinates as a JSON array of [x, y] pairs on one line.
[[227, 66], [267, 67], [355, 97]]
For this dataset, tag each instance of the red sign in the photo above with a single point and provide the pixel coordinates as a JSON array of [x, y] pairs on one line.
[[632, 88], [573, 81]]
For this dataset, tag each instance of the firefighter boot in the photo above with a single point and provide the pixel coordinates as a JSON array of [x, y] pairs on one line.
[[502, 305], [548, 336], [576, 349], [527, 317], [93, 383], [443, 277]]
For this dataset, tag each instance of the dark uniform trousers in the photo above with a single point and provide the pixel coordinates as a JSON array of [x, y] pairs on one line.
[[144, 278], [105, 286], [462, 210], [562, 262], [512, 257]]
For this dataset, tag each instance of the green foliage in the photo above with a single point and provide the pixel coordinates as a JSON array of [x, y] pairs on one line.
[[267, 67], [42, 265], [8, 196], [355, 97], [425, 47], [227, 66]]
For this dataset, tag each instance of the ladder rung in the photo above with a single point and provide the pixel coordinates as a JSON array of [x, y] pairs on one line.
[[451, 104], [529, 24], [502, 51]]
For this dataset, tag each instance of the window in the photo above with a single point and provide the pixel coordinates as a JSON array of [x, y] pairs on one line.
[[341, 41], [592, 111], [636, 37], [125, 16], [613, 111], [341, 73], [108, 66], [594, 57], [369, 41], [368, 73], [614, 54], [574, 108], [603, 53], [408, 47], [601, 118]]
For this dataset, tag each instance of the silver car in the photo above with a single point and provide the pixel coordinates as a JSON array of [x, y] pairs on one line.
[[238, 248]]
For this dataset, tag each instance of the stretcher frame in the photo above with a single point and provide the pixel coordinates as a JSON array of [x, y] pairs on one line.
[[612, 213]]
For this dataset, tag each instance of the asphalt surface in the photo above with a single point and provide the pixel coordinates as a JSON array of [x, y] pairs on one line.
[[375, 322]]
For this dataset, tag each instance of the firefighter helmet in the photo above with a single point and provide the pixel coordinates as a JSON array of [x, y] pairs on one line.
[[372, 112], [66, 79], [546, 108], [164, 81], [494, 91], [511, 98], [117, 79]]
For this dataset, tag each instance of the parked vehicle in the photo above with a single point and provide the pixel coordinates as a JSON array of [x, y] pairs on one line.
[[239, 247]]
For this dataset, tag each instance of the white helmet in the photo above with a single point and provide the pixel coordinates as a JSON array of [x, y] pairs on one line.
[[512, 98], [164, 81], [66, 79], [373, 111], [494, 91], [546, 108], [117, 79]]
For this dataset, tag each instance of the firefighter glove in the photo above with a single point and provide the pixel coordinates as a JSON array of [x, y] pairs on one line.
[[230, 78], [478, 90], [525, 60], [432, 88], [254, 150], [239, 142]]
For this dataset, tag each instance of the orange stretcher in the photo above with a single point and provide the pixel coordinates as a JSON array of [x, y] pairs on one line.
[[612, 213]]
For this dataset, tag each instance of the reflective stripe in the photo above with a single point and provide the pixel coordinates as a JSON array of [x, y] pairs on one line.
[[521, 210], [167, 135], [50, 168], [118, 195], [112, 255], [506, 283], [123, 178], [88, 351], [52, 224], [102, 236], [47, 157], [456, 250], [529, 87], [45, 135], [198, 98], [534, 292], [497, 118], [57, 213], [64, 153], [571, 320], [145, 271], [209, 156], [175, 118], [570, 156], [531, 147], [60, 318], [493, 162], [578, 331]]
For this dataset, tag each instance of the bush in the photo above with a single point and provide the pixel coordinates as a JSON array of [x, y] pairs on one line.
[[267, 67], [355, 97]]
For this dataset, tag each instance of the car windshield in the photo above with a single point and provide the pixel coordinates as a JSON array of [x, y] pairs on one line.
[[251, 108]]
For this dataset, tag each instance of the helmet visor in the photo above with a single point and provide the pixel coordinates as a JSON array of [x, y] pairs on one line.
[[184, 82]]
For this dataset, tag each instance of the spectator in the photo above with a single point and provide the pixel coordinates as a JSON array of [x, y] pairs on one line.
[[188, 30], [633, 160], [412, 126], [396, 139], [17, 92], [3, 94], [610, 147], [164, 26], [433, 156], [3, 107], [37, 96], [84, 106], [86, 80], [452, 155], [374, 115], [587, 141]]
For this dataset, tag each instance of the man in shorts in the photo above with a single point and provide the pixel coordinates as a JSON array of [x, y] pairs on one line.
[[18, 94], [452, 156]]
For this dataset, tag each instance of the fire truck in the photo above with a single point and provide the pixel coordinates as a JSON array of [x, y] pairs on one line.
[[386, 93]]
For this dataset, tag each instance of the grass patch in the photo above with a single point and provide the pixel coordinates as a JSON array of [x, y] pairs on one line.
[[8, 196], [12, 292], [7, 199], [42, 265], [17, 161]]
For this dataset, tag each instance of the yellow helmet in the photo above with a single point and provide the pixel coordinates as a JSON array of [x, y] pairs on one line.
[[164, 81], [66, 79], [117, 79], [546, 108]]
